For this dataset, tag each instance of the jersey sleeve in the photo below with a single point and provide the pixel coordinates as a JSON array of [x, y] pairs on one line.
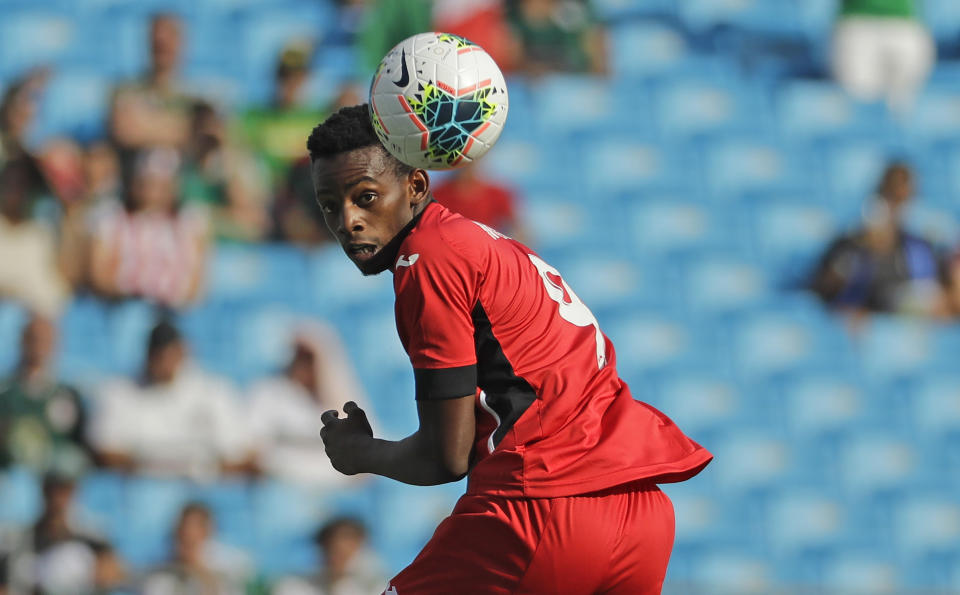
[[436, 295]]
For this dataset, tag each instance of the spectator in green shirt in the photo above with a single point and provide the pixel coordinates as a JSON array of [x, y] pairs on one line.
[[41, 418], [881, 51]]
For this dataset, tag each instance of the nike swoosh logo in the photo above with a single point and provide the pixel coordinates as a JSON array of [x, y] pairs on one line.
[[404, 75], [407, 261]]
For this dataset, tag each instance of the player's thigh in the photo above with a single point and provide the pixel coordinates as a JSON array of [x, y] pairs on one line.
[[574, 552], [638, 565], [482, 548]]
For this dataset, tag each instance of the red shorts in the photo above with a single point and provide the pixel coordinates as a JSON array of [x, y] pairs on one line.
[[615, 541]]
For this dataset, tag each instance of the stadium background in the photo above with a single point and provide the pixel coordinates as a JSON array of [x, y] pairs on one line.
[[683, 197]]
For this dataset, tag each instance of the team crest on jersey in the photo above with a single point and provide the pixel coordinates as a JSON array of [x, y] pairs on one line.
[[407, 261]]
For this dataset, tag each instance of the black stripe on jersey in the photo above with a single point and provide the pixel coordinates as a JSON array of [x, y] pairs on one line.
[[445, 383], [506, 393]]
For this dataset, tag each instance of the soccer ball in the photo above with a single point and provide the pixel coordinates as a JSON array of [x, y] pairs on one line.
[[438, 101]]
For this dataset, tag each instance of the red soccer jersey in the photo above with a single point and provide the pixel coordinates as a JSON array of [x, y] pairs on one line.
[[479, 313]]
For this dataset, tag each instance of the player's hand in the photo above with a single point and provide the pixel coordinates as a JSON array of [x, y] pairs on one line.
[[343, 438]]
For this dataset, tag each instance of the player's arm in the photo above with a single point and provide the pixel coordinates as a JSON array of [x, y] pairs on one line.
[[438, 452]]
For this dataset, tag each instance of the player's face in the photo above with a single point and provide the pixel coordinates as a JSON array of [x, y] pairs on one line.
[[365, 203]]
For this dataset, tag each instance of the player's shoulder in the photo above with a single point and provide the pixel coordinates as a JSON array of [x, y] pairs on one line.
[[443, 232]]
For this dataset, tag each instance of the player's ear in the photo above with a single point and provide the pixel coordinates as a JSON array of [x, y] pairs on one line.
[[418, 186]]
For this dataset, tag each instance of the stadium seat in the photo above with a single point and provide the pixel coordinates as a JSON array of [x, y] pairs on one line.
[[770, 344], [691, 107], [740, 168], [872, 461], [128, 325], [936, 405], [243, 273], [935, 115], [101, 497], [697, 401], [943, 19], [150, 512], [405, 519], [266, 32], [790, 235], [646, 48], [618, 166], [799, 520], [12, 318], [812, 110], [231, 501], [818, 404], [34, 38], [669, 224], [750, 458], [21, 497], [732, 571], [721, 284], [285, 516], [927, 524], [853, 170], [893, 348], [856, 572], [74, 105], [600, 280], [566, 103], [333, 282], [769, 17]]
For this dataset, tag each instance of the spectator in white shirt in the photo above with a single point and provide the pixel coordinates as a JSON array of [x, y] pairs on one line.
[[176, 420], [285, 410]]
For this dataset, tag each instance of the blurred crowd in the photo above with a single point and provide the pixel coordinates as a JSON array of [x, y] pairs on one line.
[[135, 215]]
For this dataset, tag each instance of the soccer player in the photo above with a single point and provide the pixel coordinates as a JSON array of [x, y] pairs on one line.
[[516, 388]]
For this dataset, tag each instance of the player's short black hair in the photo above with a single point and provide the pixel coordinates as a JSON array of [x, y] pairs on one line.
[[348, 129]]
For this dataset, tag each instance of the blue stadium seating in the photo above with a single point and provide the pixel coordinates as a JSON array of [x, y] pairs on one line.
[[680, 198], [20, 494]]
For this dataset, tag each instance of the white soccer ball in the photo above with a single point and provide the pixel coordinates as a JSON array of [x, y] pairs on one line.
[[438, 101]]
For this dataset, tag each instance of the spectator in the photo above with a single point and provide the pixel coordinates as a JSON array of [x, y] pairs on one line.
[[18, 108], [29, 271], [153, 111], [276, 133], [348, 566], [558, 35], [285, 410], [882, 51], [41, 418], [175, 420], [882, 267], [199, 564], [385, 23], [467, 192], [100, 179], [483, 22], [58, 554], [150, 247], [224, 179]]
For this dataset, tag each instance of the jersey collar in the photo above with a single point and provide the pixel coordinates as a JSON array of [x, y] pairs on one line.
[[387, 256]]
